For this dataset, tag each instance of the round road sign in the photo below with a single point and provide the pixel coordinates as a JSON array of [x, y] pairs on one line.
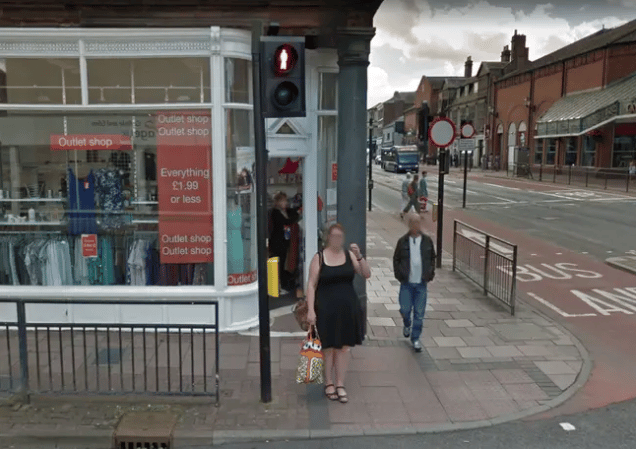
[[468, 131], [442, 132]]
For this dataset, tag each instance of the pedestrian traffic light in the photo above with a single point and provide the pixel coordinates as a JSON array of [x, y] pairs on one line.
[[283, 76]]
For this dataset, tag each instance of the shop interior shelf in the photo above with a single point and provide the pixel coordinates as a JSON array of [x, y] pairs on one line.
[[145, 221], [34, 223], [144, 202], [35, 199]]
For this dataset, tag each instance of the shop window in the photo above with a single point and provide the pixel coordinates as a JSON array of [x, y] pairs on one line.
[[328, 91], [588, 153], [148, 80], [570, 152], [328, 153], [624, 150], [538, 151], [238, 80], [41, 81], [111, 199], [241, 198], [550, 156]]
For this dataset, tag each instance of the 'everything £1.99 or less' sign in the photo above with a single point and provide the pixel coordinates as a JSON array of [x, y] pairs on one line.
[[184, 187]]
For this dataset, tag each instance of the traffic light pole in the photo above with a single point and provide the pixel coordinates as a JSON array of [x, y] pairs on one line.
[[440, 205], [261, 217]]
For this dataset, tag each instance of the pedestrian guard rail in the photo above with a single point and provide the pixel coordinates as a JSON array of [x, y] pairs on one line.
[[104, 358], [614, 179], [488, 261]]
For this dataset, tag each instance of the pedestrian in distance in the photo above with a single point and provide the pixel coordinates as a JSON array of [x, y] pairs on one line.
[[405, 195], [414, 268], [423, 192], [334, 306], [412, 192]]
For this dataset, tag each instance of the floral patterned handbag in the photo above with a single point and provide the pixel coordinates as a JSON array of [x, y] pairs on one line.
[[311, 361]]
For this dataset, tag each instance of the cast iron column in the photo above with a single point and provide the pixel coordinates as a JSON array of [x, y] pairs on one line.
[[354, 45]]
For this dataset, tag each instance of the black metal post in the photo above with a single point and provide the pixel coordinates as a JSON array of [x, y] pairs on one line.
[[24, 353], [465, 177], [569, 174], [371, 147], [541, 172], [486, 263], [440, 205], [628, 177], [587, 175], [454, 244], [261, 216]]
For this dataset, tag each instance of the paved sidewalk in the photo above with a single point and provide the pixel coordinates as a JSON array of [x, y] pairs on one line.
[[480, 367]]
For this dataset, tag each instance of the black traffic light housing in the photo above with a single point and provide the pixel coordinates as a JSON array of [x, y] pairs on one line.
[[283, 76]]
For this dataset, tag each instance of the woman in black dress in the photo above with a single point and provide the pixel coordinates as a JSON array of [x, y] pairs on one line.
[[281, 220], [333, 306]]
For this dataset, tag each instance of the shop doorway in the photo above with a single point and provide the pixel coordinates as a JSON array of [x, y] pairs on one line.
[[287, 232]]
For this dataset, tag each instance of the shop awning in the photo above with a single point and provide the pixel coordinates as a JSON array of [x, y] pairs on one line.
[[578, 114]]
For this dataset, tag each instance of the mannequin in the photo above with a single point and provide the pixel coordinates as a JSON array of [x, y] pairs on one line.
[[235, 257]]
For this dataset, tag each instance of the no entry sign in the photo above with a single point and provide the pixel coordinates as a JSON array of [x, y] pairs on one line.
[[442, 132], [468, 131]]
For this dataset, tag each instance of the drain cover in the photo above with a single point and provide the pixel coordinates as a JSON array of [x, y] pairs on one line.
[[145, 430]]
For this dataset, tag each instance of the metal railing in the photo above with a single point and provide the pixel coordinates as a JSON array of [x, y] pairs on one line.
[[488, 261], [108, 358], [601, 178]]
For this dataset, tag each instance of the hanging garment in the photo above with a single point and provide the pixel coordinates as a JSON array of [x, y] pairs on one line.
[[81, 197], [108, 187], [235, 257]]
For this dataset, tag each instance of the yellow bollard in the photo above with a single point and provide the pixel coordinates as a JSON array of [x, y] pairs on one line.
[[434, 214], [272, 277]]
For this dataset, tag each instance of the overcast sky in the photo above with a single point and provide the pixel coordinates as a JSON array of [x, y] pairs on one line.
[[434, 37]]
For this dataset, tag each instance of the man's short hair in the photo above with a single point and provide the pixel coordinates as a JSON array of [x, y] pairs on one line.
[[412, 217]]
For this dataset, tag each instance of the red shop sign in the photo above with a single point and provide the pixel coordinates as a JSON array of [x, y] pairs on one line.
[[184, 179], [89, 245], [334, 172], [91, 142]]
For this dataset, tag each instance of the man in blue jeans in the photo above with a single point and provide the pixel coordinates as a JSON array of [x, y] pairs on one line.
[[414, 267]]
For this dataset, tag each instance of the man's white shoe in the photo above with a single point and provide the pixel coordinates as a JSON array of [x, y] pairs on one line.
[[417, 345]]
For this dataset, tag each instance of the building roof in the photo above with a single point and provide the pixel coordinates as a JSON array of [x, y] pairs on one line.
[[578, 106], [602, 38]]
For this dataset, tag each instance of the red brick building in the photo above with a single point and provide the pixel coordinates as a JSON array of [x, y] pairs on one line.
[[574, 106]]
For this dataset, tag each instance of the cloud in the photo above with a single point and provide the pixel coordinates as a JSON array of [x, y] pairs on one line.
[[434, 37]]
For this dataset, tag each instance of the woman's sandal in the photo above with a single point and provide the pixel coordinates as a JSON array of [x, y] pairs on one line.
[[342, 398], [332, 396]]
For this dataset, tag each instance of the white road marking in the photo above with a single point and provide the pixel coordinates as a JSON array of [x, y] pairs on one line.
[[557, 309], [567, 427], [501, 186]]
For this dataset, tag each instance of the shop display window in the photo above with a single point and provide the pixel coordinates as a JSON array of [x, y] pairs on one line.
[[108, 199], [550, 156], [538, 151], [241, 198], [148, 80], [40, 81]]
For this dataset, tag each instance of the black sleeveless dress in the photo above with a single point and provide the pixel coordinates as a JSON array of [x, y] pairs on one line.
[[336, 305]]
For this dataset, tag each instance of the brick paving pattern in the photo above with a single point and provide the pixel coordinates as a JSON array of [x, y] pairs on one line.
[[479, 364]]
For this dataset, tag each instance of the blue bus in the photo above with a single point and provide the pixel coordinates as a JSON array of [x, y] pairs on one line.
[[400, 159]]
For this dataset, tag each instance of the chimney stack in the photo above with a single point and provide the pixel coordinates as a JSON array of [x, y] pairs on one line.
[[468, 68], [505, 55], [519, 49]]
